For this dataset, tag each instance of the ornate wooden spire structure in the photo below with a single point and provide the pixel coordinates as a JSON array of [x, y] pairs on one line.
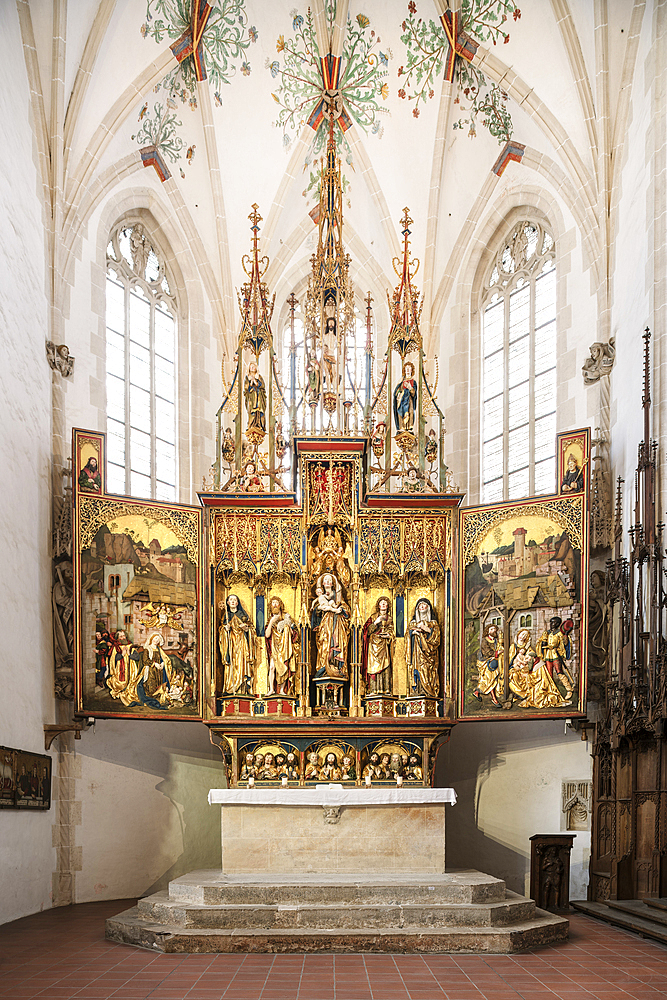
[[254, 303], [329, 306], [405, 305], [629, 837]]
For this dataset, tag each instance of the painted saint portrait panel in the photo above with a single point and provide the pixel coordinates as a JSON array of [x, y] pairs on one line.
[[90, 469], [138, 599], [573, 461], [522, 627]]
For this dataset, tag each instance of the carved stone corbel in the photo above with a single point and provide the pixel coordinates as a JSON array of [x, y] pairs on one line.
[[59, 358], [600, 362]]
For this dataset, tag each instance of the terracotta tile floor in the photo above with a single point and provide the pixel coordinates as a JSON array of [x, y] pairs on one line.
[[62, 953]]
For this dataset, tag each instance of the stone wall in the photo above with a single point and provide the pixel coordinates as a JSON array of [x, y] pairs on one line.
[[26, 668]]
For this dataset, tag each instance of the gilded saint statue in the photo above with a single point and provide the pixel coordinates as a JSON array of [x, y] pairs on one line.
[[329, 349], [424, 650], [236, 638], [282, 649], [377, 647], [405, 400], [330, 621], [254, 393]]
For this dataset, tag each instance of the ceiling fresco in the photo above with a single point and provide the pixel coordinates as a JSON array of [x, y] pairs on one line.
[[440, 106]]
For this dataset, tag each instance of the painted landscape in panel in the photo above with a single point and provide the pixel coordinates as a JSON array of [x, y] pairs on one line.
[[138, 619], [522, 643]]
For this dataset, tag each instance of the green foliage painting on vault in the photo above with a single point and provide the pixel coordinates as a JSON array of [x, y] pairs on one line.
[[359, 81], [225, 40], [427, 49]]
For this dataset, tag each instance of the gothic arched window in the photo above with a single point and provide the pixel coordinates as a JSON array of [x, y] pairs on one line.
[[140, 368], [519, 366]]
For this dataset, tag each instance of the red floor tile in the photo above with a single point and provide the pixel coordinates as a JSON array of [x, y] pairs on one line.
[[76, 963]]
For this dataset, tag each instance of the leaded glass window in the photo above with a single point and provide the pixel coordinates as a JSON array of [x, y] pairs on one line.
[[519, 367], [140, 368]]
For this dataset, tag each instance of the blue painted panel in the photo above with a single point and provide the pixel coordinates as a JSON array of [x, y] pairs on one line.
[[259, 615], [400, 616]]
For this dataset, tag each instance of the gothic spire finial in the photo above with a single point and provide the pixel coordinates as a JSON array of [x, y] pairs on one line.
[[646, 398], [254, 303], [405, 304]]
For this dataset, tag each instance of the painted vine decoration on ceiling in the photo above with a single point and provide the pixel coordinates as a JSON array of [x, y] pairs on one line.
[[452, 44], [210, 42], [309, 83]]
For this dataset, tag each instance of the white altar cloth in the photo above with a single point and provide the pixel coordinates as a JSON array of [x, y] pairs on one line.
[[331, 795]]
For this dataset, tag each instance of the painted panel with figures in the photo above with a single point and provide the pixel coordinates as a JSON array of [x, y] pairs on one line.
[[138, 604], [523, 609]]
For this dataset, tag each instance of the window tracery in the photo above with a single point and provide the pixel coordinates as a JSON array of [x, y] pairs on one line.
[[141, 328], [518, 335]]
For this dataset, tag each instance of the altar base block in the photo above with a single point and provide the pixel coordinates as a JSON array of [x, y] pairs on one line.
[[332, 869]]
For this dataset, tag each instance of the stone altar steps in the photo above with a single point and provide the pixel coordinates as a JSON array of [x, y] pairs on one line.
[[461, 912], [160, 909], [212, 887], [647, 917]]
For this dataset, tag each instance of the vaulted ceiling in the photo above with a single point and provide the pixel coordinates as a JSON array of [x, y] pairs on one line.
[[111, 102]]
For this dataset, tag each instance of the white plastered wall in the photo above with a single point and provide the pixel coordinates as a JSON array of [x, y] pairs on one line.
[[508, 776], [145, 817], [26, 665]]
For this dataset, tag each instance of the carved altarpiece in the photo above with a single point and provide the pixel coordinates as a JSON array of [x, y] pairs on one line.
[[306, 610]]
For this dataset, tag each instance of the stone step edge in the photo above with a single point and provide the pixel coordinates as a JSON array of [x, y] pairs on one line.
[[129, 928], [643, 926], [460, 876], [653, 915], [162, 898], [212, 895]]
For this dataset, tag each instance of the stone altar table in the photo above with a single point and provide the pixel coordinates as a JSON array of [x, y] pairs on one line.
[[334, 869], [333, 829]]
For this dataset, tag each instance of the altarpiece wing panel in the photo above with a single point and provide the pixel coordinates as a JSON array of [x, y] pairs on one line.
[[523, 609], [137, 603]]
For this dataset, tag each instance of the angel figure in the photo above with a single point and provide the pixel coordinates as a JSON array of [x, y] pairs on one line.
[[431, 447], [228, 449], [378, 439], [156, 616]]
